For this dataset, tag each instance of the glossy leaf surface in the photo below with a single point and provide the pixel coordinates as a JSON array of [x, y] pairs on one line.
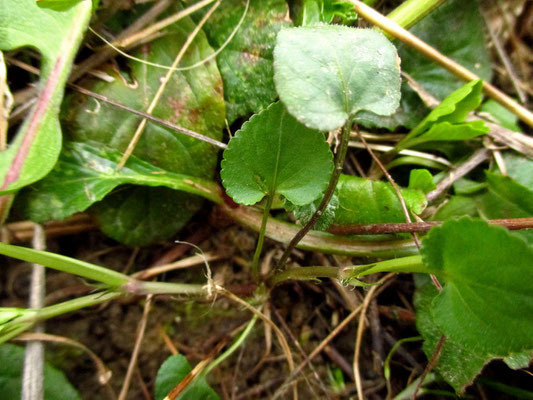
[[326, 74], [363, 201], [447, 121], [275, 154]]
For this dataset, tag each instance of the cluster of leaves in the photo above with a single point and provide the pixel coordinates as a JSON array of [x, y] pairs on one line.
[[326, 77]]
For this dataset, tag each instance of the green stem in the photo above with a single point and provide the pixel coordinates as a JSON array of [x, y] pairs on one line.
[[339, 163], [144, 288], [260, 241], [66, 264], [303, 273], [324, 242], [411, 264], [410, 12], [76, 304], [235, 345]]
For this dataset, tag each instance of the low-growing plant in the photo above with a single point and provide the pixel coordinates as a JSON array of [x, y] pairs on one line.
[[474, 280]]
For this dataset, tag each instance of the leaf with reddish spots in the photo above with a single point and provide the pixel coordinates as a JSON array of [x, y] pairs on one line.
[[246, 63], [57, 35], [192, 99]]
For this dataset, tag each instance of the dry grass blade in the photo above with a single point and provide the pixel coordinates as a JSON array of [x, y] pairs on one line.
[[283, 342], [185, 263], [140, 129], [360, 329], [135, 354]]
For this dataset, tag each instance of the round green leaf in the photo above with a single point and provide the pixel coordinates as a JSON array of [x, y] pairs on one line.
[[274, 154], [325, 74], [487, 302]]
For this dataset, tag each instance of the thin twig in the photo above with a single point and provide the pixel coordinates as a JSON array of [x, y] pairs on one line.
[[420, 227], [431, 364], [337, 170], [461, 170], [393, 184], [106, 53], [33, 377], [279, 334], [155, 101], [184, 263], [302, 352], [408, 38], [504, 58], [160, 25], [135, 355], [6, 102], [160, 121], [358, 340], [316, 351]]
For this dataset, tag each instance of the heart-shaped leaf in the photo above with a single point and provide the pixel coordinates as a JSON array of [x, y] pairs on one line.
[[326, 74], [57, 35], [274, 154], [488, 294]]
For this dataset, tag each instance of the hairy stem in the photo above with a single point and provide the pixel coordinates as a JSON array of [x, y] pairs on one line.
[[339, 162], [260, 241], [303, 273]]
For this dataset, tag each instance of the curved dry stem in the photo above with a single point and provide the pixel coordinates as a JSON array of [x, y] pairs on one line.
[[359, 337], [279, 334]]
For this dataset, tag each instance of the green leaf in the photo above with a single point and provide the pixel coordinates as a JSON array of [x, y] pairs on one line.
[[466, 46], [488, 286], [447, 121], [304, 213], [172, 372], [326, 74], [57, 35], [193, 99], [421, 179], [312, 12], [56, 385], [85, 174], [458, 364], [501, 115], [246, 62], [411, 111], [363, 201], [519, 360], [273, 154]]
